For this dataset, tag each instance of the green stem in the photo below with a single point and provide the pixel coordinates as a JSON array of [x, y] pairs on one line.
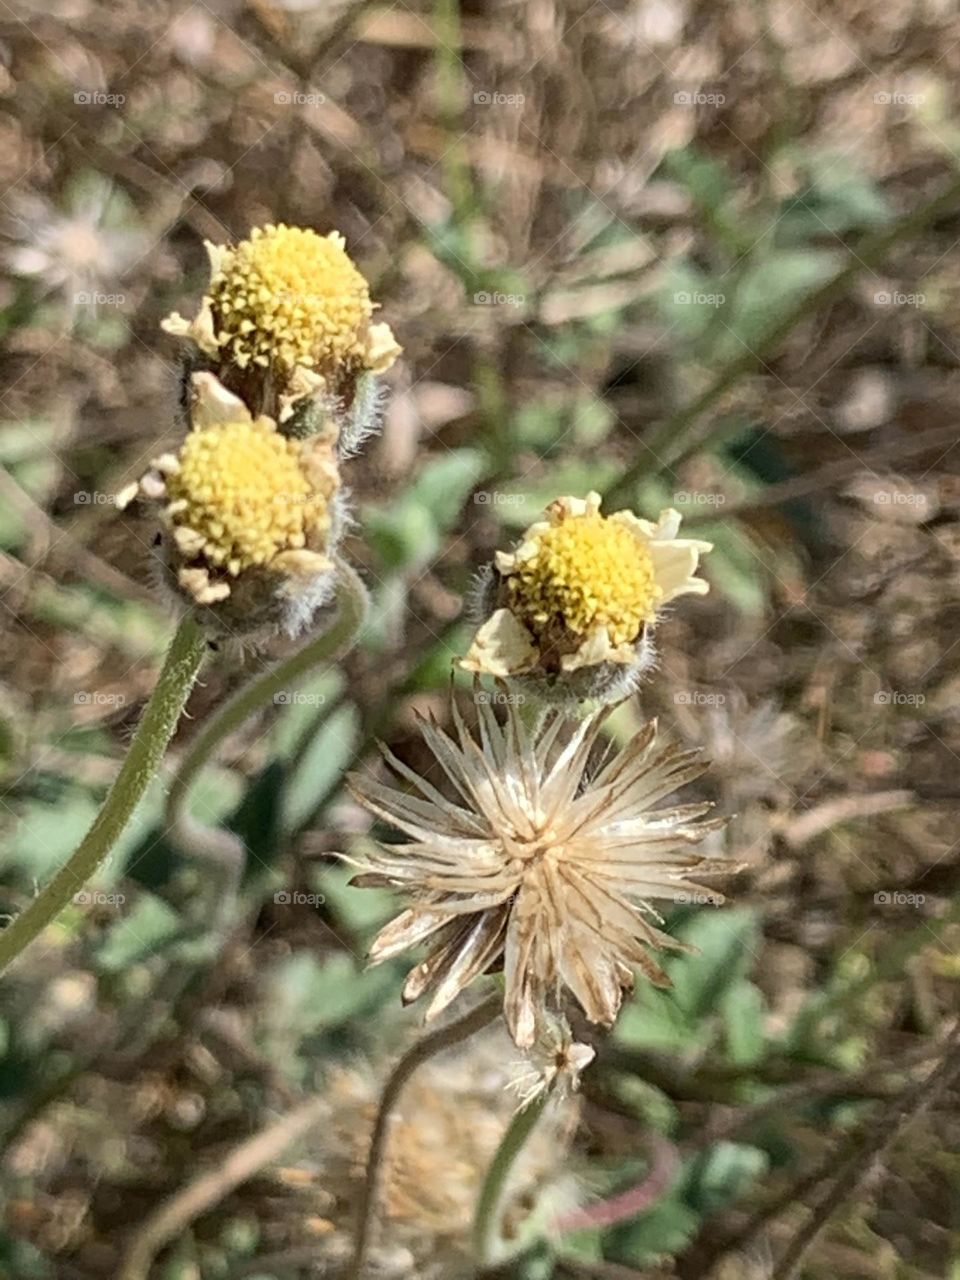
[[155, 730], [679, 436], [214, 844], [487, 1242], [443, 1038]]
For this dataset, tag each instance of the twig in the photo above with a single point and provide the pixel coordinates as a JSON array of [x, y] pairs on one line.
[[61, 545], [801, 830], [664, 1165], [200, 1195], [833, 473], [678, 436], [889, 1127]]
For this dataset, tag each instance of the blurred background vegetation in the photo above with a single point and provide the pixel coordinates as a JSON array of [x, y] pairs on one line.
[[687, 253]]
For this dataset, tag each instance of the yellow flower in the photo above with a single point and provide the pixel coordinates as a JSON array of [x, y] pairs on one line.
[[243, 504], [581, 590], [240, 494], [290, 302]]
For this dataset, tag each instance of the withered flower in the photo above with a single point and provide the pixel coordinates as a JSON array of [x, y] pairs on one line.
[[536, 865]]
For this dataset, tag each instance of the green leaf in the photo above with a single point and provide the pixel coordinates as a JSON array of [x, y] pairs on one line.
[[723, 1173], [147, 928], [409, 532], [726, 942], [517, 505], [742, 1009], [666, 1228], [48, 832], [321, 767], [301, 706]]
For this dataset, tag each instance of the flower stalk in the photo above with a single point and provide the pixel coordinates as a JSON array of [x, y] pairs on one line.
[[154, 732], [428, 1047], [217, 845], [487, 1242]]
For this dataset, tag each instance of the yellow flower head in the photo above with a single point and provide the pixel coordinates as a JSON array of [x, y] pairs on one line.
[[289, 297], [247, 510], [289, 303], [585, 571], [241, 488], [580, 591]]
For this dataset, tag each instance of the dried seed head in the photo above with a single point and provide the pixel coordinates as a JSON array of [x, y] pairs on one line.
[[535, 867]]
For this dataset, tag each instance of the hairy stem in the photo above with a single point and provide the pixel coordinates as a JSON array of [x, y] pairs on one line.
[[486, 1223], [154, 732], [214, 844], [443, 1038]]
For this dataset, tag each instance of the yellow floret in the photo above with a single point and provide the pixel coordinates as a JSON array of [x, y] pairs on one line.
[[584, 572], [239, 495], [289, 297]]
